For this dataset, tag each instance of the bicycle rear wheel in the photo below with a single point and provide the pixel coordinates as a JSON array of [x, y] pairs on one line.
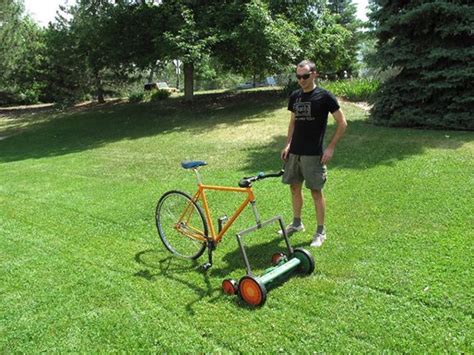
[[181, 225]]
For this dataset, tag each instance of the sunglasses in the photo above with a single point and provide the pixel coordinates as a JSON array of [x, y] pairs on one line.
[[304, 76]]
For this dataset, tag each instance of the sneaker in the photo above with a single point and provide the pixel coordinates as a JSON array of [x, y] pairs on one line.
[[290, 229], [318, 240]]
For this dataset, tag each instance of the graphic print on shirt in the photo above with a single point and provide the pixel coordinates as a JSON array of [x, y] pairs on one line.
[[302, 111]]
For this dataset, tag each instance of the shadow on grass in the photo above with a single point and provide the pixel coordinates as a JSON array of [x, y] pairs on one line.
[[365, 146], [259, 255], [90, 127], [180, 270], [171, 268]]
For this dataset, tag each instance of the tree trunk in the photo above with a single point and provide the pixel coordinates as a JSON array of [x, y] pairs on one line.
[[152, 74], [100, 88], [188, 81]]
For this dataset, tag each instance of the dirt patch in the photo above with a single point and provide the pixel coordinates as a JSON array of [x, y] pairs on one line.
[[15, 111], [362, 104]]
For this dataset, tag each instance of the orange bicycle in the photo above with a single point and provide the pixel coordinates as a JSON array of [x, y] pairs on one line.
[[186, 230]]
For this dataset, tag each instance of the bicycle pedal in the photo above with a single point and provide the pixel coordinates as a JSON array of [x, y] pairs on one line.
[[206, 266]]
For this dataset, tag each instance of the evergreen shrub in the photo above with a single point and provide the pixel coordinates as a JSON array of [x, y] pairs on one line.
[[431, 45], [160, 95]]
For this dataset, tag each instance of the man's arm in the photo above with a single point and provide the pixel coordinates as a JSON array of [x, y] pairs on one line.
[[291, 128], [341, 124]]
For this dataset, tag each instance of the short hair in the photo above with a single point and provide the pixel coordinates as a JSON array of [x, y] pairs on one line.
[[309, 63]]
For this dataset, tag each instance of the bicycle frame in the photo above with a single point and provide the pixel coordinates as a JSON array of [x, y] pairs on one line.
[[201, 195]]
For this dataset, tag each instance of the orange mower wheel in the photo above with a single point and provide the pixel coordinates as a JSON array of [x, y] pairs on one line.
[[229, 286], [252, 291], [277, 257]]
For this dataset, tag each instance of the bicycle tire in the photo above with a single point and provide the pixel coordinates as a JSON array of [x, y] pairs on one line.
[[172, 207]]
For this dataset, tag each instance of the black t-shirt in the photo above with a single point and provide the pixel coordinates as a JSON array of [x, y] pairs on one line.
[[311, 111]]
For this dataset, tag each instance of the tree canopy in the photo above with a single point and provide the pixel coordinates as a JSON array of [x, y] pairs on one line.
[[93, 43], [430, 45], [21, 48]]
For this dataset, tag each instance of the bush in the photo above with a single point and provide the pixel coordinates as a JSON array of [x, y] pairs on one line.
[[18, 96], [290, 87], [136, 97], [160, 95], [353, 90], [7, 98]]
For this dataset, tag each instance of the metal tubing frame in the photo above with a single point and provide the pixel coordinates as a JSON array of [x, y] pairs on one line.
[[201, 195], [259, 225]]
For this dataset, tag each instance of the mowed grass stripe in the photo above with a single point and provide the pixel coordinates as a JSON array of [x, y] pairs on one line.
[[103, 283]]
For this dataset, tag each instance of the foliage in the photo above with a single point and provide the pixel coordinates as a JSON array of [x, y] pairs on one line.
[[160, 95], [136, 96], [326, 43], [353, 89], [431, 46], [10, 37], [290, 87], [345, 11], [321, 34], [82, 54], [136, 31], [95, 45], [260, 44], [83, 270], [66, 77], [188, 36], [21, 53]]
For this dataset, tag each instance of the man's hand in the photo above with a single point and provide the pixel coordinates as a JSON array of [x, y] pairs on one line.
[[284, 153], [327, 155]]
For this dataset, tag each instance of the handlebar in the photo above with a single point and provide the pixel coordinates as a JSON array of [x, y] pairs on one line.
[[247, 181]]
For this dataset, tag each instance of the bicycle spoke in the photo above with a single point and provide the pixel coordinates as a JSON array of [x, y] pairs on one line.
[[181, 225]]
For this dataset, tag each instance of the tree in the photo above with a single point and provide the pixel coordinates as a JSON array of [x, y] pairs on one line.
[[258, 43], [189, 35], [430, 44], [135, 32], [321, 37], [10, 20], [82, 51], [21, 41], [66, 77], [326, 43], [345, 11], [89, 27]]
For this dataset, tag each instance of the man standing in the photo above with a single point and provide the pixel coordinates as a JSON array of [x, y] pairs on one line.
[[304, 156]]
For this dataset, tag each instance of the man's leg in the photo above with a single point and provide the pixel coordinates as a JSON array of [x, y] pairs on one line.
[[297, 199], [320, 206], [297, 203], [294, 178]]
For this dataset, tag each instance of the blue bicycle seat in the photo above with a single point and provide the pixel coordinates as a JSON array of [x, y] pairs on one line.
[[192, 164]]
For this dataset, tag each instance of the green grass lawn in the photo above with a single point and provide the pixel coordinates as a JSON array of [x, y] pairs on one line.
[[83, 268]]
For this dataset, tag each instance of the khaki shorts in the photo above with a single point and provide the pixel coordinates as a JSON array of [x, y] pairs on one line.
[[306, 168]]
